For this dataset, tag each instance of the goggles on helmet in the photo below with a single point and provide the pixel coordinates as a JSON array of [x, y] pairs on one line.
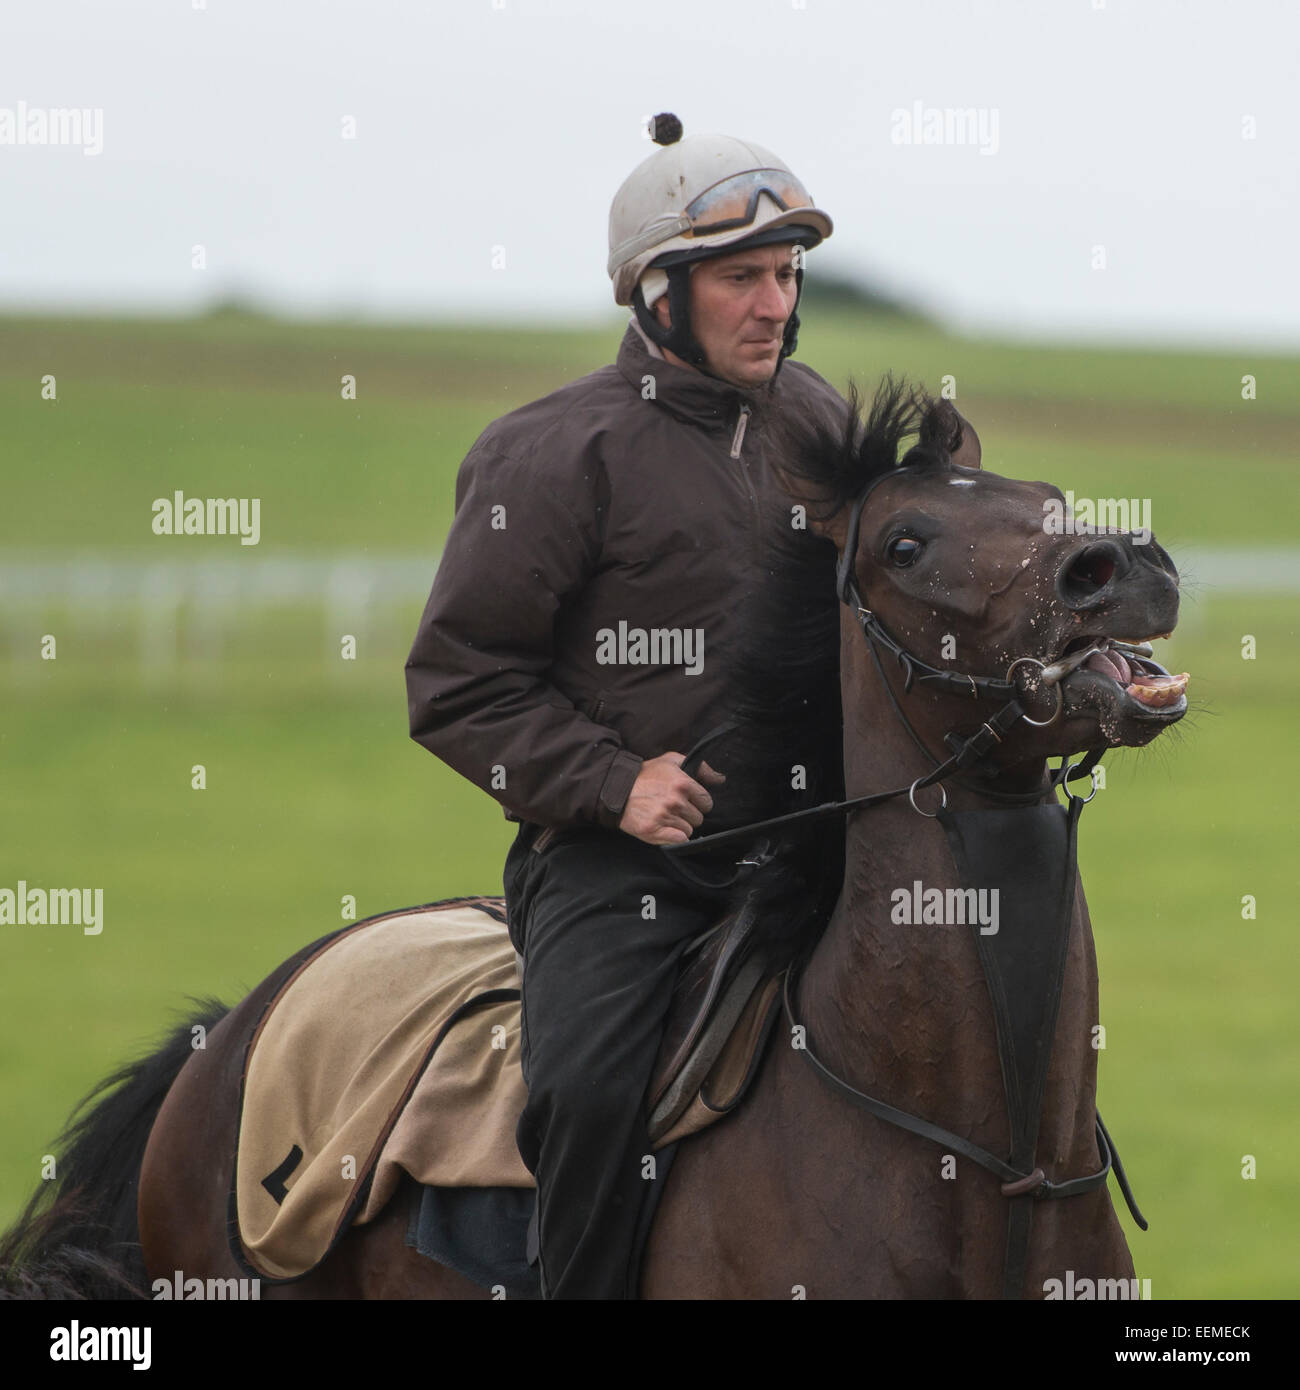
[[734, 201]]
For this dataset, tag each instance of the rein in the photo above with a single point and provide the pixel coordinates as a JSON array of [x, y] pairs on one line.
[[1024, 1184]]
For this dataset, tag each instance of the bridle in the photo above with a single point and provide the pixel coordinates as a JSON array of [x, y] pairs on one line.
[[1022, 1184], [965, 753]]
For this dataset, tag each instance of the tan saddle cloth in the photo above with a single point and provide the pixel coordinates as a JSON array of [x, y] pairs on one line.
[[394, 1049]]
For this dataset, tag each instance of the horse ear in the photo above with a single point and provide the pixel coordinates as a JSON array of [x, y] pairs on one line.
[[970, 453], [834, 528], [813, 507]]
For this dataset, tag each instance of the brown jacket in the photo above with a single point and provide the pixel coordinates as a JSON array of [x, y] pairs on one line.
[[581, 614]]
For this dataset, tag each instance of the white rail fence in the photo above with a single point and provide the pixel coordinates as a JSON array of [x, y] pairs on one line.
[[187, 610]]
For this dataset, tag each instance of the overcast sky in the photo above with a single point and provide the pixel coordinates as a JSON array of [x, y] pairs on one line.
[[1165, 133]]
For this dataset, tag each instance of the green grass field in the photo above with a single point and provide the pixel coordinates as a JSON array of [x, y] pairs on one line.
[[314, 790]]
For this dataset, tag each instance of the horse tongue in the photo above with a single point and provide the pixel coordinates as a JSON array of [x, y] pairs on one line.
[[1109, 663]]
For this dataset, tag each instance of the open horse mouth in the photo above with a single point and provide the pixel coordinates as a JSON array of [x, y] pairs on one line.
[[1127, 664]]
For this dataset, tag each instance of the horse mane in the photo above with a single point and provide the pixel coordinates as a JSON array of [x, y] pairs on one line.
[[830, 467], [787, 753]]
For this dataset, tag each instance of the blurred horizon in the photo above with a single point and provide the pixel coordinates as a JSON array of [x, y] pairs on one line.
[[390, 164], [613, 320]]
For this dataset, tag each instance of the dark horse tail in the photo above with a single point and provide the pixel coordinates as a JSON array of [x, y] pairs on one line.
[[79, 1237]]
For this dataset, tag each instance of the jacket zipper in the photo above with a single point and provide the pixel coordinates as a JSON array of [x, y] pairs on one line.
[[737, 439]]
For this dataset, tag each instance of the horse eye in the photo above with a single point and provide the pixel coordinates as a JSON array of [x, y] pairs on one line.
[[903, 550]]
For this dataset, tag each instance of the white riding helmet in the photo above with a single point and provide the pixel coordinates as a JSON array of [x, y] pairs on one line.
[[702, 196]]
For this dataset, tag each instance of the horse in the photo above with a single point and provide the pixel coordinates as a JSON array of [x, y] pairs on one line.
[[927, 642]]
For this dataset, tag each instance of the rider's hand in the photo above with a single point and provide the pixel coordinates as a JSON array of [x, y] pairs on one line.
[[665, 804]]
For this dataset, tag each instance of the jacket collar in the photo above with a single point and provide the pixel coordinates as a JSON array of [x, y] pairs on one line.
[[690, 396]]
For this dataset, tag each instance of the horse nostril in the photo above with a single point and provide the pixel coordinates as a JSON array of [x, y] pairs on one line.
[[1089, 571], [1156, 554]]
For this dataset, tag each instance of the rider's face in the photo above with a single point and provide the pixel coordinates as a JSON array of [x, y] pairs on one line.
[[739, 308]]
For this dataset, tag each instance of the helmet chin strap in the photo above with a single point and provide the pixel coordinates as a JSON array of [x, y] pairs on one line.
[[677, 339], [681, 341]]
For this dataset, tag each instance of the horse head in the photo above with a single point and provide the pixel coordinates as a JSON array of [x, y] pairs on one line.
[[961, 573]]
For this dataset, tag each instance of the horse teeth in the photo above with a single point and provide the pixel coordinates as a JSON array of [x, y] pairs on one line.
[[1158, 696]]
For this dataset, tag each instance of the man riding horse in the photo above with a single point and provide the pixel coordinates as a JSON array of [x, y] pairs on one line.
[[575, 640]]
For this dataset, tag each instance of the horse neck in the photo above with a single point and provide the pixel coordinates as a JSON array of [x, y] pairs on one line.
[[902, 1011]]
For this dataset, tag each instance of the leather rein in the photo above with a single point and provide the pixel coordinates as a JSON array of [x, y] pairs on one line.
[[1020, 1187]]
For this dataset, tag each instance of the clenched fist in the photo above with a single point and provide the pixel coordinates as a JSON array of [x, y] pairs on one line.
[[665, 804]]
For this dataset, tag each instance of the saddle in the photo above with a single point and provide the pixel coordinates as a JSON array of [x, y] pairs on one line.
[[392, 1052]]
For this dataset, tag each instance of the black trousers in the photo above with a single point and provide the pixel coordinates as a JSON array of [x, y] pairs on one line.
[[602, 926]]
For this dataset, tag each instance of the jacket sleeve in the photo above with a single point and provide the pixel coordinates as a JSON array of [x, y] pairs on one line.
[[477, 683]]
